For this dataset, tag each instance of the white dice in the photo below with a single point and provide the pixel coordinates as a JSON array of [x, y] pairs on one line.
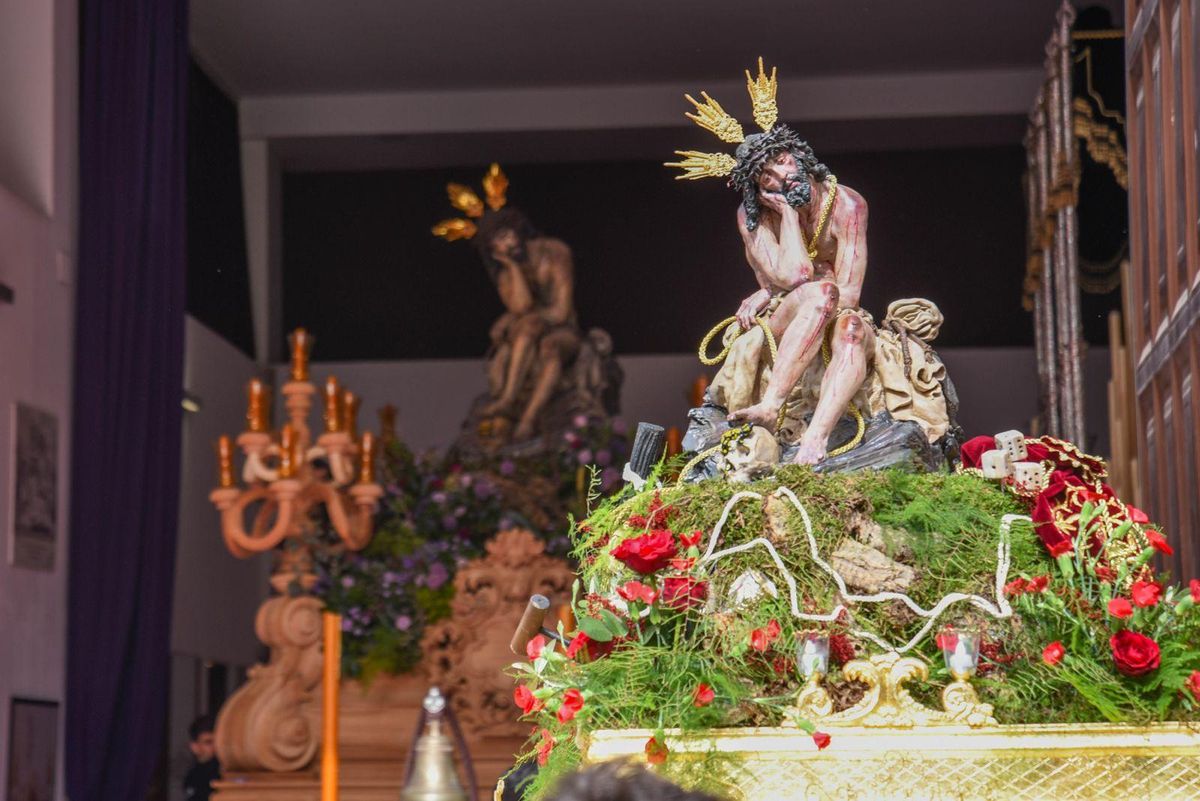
[[1028, 476], [996, 464], [1013, 443]]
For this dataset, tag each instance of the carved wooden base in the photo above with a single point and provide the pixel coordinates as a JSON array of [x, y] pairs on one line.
[[376, 728]]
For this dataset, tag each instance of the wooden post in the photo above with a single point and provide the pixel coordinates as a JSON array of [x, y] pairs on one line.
[[329, 705]]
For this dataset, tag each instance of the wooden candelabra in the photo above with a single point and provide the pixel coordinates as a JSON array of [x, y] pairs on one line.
[[288, 477]]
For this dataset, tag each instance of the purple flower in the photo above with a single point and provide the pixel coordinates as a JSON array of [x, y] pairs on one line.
[[466, 479], [449, 522], [604, 458], [460, 511], [584, 456], [609, 478], [507, 467], [483, 490], [404, 622], [438, 497], [347, 581], [618, 426], [580, 421], [347, 624], [438, 575]]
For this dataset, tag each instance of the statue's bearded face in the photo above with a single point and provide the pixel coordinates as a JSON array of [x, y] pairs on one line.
[[783, 176], [506, 244]]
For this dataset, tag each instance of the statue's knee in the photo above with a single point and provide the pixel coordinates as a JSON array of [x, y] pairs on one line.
[[850, 330], [827, 293]]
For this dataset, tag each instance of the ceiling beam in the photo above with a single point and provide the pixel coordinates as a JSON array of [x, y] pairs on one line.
[[850, 97]]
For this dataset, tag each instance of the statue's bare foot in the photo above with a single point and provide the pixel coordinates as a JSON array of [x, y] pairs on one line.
[[809, 453], [497, 407], [760, 414]]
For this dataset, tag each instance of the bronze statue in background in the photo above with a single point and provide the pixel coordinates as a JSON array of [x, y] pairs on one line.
[[542, 370]]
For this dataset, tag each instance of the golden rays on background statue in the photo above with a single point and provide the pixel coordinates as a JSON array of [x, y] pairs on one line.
[[713, 118], [464, 198]]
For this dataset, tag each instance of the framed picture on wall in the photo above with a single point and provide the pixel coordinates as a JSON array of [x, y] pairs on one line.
[[34, 496], [32, 749]]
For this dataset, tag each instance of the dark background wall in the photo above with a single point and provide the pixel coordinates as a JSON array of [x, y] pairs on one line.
[[658, 261]]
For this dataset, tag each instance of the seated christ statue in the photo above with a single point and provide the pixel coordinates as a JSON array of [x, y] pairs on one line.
[[805, 239]]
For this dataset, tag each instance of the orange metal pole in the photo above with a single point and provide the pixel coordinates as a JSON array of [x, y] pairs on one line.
[[329, 706]]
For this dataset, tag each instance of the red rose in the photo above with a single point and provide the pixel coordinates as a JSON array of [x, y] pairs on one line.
[[1193, 685], [1159, 543], [1061, 547], [946, 640], [656, 751], [1195, 588], [637, 591], [1038, 584], [1134, 654], [547, 745], [703, 695], [1145, 593], [1137, 515], [1053, 653], [683, 592], [593, 649], [821, 739], [1015, 587], [648, 553], [691, 540], [1120, 608], [533, 648], [761, 639], [524, 698], [682, 563], [571, 704]]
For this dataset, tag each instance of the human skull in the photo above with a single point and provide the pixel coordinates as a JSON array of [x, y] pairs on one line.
[[751, 456]]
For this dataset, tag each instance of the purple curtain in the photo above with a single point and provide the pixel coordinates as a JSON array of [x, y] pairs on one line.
[[128, 385]]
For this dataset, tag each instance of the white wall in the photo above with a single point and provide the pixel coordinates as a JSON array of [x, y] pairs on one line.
[[997, 389], [216, 594], [37, 234]]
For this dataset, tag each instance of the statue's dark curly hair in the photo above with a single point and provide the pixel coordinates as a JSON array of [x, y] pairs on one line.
[[754, 153]]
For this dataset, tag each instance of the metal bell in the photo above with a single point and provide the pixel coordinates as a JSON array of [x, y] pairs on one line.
[[433, 777]]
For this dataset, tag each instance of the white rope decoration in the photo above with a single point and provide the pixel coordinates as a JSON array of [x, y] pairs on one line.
[[999, 609]]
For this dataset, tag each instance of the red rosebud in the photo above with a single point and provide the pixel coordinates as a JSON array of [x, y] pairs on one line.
[[1195, 588], [946, 640], [525, 699], [1193, 685], [682, 592], [1145, 593], [761, 639], [703, 695], [1134, 654], [1105, 573], [683, 563], [533, 648], [571, 704], [1159, 543], [544, 749], [1137, 515], [1038, 584], [1015, 587], [1061, 547], [637, 591], [691, 540], [593, 649], [1120, 608], [656, 751], [821, 739], [648, 553], [1053, 653]]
